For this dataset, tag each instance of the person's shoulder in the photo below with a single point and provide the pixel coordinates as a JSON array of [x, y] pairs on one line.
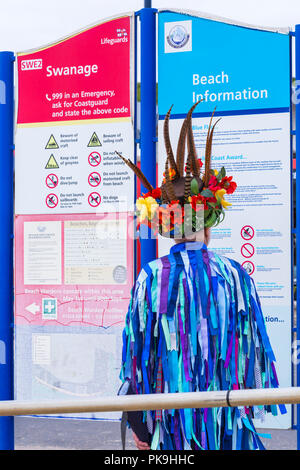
[[149, 269], [230, 263]]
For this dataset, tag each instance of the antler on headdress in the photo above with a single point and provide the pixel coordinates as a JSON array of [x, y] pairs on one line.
[[169, 189], [187, 179], [191, 144], [168, 145], [208, 149], [186, 129], [137, 171]]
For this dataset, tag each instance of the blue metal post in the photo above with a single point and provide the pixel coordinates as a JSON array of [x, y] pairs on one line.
[[297, 50], [148, 115], [6, 244]]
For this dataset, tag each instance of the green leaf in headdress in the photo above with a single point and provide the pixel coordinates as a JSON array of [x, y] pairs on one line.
[[207, 193], [194, 187], [221, 174]]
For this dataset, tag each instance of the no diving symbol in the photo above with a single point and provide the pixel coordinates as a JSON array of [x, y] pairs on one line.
[[94, 158], [94, 199], [52, 181], [94, 179], [247, 232], [51, 201], [247, 250]]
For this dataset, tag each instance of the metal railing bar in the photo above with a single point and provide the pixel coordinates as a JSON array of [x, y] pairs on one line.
[[211, 399]]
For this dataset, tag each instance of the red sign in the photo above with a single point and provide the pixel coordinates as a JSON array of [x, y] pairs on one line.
[[94, 179], [249, 267], [94, 158], [247, 232], [78, 78], [247, 250], [94, 199], [51, 201], [51, 180]]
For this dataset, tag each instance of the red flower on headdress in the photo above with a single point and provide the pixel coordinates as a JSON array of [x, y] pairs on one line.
[[213, 184], [155, 193], [228, 184]]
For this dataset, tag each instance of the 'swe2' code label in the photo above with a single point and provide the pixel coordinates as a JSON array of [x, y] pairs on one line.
[[34, 64]]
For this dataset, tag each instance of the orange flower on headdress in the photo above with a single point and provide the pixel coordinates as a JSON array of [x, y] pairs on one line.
[[172, 173]]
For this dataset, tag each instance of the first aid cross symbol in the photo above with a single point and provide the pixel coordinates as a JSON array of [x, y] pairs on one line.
[[49, 309], [49, 306]]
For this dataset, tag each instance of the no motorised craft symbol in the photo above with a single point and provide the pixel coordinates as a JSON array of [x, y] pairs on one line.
[[94, 179]]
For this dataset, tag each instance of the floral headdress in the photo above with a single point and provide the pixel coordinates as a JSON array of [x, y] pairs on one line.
[[183, 204]]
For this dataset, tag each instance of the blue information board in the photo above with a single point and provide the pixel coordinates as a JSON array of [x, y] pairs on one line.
[[244, 73], [234, 68]]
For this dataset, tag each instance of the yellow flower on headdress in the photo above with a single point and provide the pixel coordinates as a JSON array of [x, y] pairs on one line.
[[146, 207], [220, 197]]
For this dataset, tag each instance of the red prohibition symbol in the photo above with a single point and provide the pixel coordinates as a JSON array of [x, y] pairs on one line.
[[94, 158], [247, 232], [248, 266], [94, 199], [51, 181], [94, 179], [247, 250], [51, 201]]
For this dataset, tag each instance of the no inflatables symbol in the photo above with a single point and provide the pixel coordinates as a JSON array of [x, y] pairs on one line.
[[247, 232], [52, 180], [94, 158], [51, 201], [247, 250], [94, 179], [94, 199]]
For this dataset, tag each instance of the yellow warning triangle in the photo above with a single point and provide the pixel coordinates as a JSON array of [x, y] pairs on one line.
[[94, 141], [52, 144], [52, 163]]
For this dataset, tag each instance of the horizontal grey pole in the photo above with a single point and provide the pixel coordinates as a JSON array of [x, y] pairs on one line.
[[158, 401]]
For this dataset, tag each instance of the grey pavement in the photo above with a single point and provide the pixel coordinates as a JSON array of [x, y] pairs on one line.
[[33, 433]]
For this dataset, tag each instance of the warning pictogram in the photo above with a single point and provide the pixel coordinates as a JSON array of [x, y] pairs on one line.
[[94, 158], [51, 180], [52, 144], [51, 201], [247, 250], [249, 267], [52, 163], [94, 199], [94, 179], [247, 232], [94, 141]]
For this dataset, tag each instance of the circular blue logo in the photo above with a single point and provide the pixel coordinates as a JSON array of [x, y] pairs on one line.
[[178, 37]]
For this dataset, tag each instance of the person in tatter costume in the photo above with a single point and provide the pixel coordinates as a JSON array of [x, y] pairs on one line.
[[194, 321]]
